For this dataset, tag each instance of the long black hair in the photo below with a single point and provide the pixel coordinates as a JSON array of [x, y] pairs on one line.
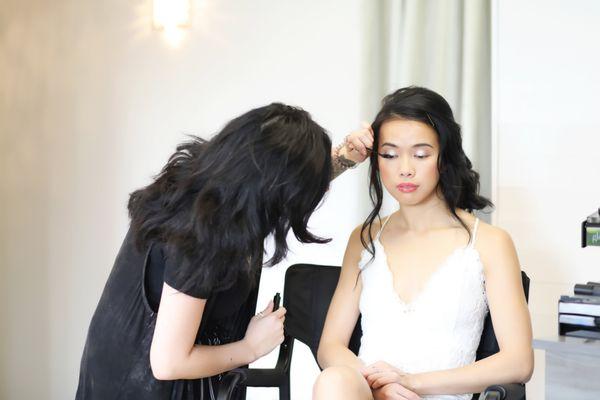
[[216, 201], [458, 183]]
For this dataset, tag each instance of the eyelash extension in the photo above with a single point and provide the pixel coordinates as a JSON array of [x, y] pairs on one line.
[[391, 156]]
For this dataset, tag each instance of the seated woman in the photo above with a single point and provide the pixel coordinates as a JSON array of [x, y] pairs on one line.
[[424, 277]]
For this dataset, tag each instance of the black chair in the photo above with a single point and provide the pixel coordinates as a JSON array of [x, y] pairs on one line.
[[308, 290]]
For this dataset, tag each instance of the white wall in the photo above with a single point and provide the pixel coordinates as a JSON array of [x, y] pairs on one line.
[[547, 124], [93, 102]]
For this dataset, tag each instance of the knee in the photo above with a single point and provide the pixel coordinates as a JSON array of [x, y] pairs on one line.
[[337, 374], [335, 378]]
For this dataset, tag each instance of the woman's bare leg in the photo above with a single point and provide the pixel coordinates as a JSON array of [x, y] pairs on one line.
[[342, 383]]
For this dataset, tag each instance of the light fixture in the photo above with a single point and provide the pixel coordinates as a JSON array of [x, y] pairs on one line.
[[170, 14]]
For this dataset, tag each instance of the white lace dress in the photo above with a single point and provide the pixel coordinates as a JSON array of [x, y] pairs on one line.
[[440, 329]]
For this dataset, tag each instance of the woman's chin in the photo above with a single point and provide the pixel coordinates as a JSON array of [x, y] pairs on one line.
[[408, 202], [413, 199]]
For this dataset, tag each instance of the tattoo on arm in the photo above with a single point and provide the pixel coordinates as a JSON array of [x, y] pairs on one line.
[[340, 163]]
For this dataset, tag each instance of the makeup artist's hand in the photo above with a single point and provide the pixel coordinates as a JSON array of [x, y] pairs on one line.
[[265, 331], [358, 144]]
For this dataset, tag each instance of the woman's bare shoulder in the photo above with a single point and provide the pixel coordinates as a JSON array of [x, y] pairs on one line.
[[375, 228], [355, 237], [489, 239], [491, 236], [495, 245]]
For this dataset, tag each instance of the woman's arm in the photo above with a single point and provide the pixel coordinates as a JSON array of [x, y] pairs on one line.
[[343, 312], [174, 355], [354, 150], [512, 326]]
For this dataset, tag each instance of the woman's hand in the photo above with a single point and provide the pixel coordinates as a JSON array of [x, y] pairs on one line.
[[265, 331], [380, 375], [358, 144], [394, 391]]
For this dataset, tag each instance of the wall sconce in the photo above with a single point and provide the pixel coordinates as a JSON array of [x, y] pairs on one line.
[[168, 14], [171, 16]]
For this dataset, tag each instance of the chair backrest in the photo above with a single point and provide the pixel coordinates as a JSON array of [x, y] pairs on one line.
[[308, 290]]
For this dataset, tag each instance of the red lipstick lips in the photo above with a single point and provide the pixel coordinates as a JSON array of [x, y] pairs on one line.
[[407, 187]]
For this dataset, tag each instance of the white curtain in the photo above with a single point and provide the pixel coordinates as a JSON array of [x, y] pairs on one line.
[[443, 45]]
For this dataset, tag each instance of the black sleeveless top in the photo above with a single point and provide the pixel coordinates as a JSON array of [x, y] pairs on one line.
[[116, 358]]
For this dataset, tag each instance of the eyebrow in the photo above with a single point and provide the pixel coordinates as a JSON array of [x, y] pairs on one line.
[[416, 145]]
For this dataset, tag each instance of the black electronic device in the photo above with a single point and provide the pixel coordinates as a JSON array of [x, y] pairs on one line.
[[590, 230], [276, 301], [579, 315], [588, 289]]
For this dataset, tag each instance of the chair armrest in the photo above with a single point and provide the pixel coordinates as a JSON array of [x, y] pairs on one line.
[[258, 377], [248, 377], [230, 382], [509, 391]]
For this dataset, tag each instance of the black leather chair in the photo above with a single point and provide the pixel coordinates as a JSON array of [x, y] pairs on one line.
[[308, 290]]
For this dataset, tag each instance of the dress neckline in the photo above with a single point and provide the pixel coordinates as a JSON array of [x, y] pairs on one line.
[[441, 267]]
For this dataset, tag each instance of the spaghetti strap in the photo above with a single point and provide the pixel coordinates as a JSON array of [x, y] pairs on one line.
[[474, 233], [383, 226]]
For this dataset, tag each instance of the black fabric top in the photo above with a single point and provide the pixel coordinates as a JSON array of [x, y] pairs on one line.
[[116, 358], [166, 270], [161, 269]]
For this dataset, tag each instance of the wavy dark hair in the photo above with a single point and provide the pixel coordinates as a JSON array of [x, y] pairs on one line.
[[215, 202], [458, 183]]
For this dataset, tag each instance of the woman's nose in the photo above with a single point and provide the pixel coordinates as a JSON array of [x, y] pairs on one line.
[[406, 169]]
